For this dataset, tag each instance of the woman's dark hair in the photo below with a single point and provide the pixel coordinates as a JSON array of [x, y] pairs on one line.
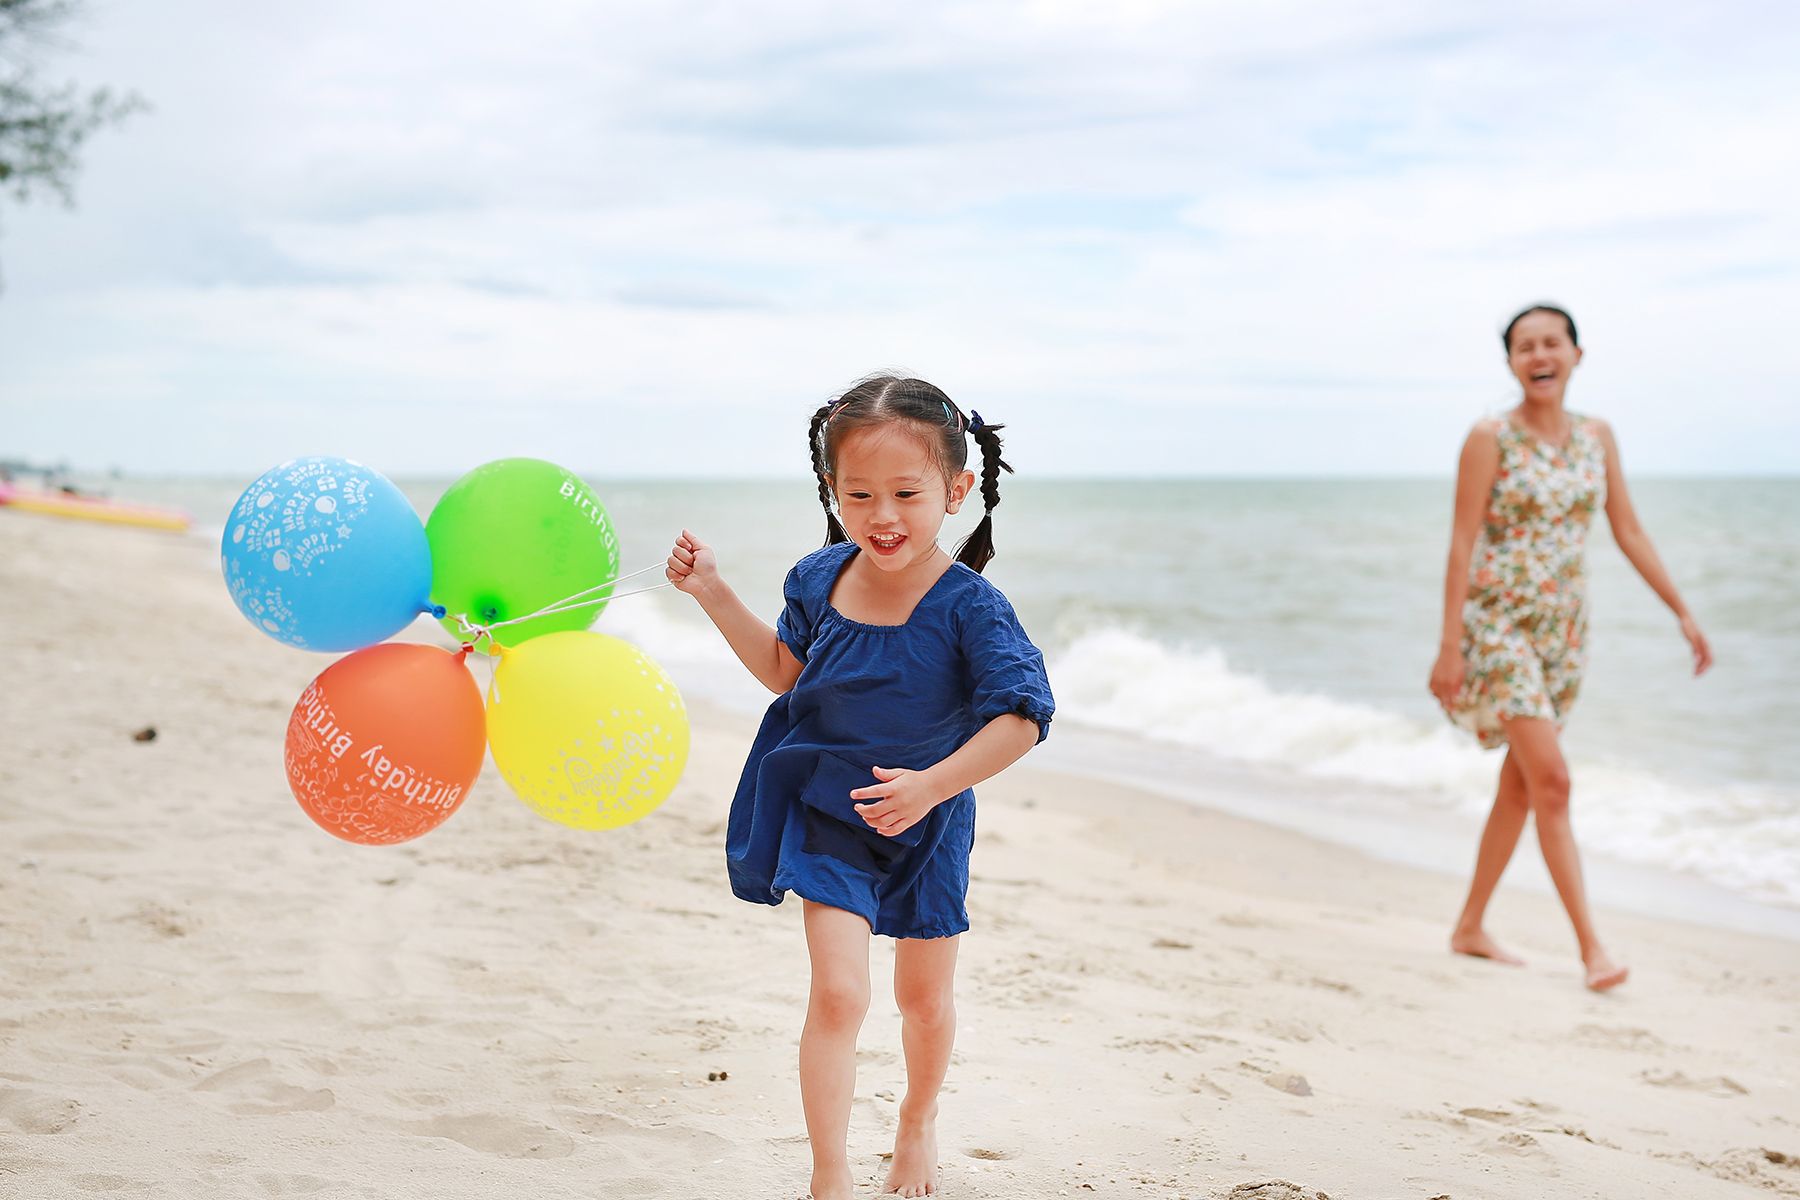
[[1506, 338], [882, 399]]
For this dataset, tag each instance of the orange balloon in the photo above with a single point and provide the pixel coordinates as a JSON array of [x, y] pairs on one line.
[[386, 742]]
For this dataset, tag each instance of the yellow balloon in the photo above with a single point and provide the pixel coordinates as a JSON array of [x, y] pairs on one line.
[[586, 729]]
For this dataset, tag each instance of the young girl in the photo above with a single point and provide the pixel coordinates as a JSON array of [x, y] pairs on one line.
[[903, 679], [1515, 613]]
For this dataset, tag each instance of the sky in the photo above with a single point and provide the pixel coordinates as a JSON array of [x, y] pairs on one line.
[[1231, 238]]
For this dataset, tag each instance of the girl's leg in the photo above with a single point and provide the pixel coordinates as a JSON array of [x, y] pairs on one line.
[[1498, 839], [837, 942], [924, 987], [1535, 745]]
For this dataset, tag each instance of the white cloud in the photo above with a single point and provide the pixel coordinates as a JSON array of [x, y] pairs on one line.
[[1247, 237]]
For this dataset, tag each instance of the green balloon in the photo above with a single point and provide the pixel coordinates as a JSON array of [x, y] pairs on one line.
[[515, 536]]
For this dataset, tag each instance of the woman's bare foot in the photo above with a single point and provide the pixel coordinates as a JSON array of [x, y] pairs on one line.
[[832, 1183], [1603, 973], [914, 1171], [1477, 944]]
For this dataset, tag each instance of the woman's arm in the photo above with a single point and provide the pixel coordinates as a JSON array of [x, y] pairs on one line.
[[902, 798], [693, 569], [1475, 473], [1629, 533]]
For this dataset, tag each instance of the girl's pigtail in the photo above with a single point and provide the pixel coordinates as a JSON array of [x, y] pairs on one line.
[[834, 529], [977, 550]]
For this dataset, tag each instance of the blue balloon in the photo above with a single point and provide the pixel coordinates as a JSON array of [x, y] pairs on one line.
[[325, 554]]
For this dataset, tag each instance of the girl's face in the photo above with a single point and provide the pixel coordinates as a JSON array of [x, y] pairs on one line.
[[891, 495], [1542, 356]]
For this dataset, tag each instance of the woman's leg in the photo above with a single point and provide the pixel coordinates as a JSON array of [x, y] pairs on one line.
[[1535, 745], [924, 987], [837, 942], [1498, 839]]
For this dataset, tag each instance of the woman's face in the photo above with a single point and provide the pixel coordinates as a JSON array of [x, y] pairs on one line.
[[1542, 356]]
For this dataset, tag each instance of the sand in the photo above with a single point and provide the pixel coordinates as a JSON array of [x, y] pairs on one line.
[[205, 996]]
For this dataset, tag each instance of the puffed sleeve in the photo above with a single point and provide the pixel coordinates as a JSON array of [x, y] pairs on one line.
[[1006, 672], [794, 626]]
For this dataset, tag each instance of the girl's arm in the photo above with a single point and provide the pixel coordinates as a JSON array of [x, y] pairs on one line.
[[693, 569], [902, 798], [1629, 533], [1475, 473]]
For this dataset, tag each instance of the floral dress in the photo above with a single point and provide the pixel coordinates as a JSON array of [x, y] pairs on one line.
[[1525, 618]]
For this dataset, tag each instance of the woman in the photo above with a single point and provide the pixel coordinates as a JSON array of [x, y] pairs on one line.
[[1515, 618]]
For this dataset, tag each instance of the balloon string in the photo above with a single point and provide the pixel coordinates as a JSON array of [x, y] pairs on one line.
[[473, 632], [575, 601], [562, 607], [493, 666], [613, 582]]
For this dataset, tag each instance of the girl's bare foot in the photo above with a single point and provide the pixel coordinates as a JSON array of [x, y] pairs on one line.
[[832, 1183], [1477, 944], [1603, 973], [914, 1171]]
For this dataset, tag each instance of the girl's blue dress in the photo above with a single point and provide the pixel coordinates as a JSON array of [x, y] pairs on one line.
[[877, 696]]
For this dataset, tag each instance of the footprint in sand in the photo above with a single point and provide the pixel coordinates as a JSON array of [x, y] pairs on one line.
[[1247, 920], [1274, 1189], [1291, 1083], [35, 1112], [148, 1074], [1717, 1085], [491, 1133], [1621, 1037], [1760, 1168], [1498, 1116], [652, 1147], [297, 1185], [259, 1092], [159, 919], [1514, 1143], [988, 1155], [110, 1183], [1290, 1031]]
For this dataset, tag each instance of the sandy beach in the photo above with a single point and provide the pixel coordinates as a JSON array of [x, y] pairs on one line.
[[206, 996]]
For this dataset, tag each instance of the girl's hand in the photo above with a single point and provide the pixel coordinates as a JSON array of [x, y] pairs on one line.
[[898, 802], [1447, 675], [692, 567], [1690, 629]]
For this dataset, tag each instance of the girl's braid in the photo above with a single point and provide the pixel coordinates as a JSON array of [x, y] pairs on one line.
[[834, 529], [988, 438], [977, 550]]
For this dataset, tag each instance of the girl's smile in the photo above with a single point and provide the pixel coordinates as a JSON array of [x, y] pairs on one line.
[[892, 496]]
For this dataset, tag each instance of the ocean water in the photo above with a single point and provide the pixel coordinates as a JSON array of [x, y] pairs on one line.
[[1287, 627]]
